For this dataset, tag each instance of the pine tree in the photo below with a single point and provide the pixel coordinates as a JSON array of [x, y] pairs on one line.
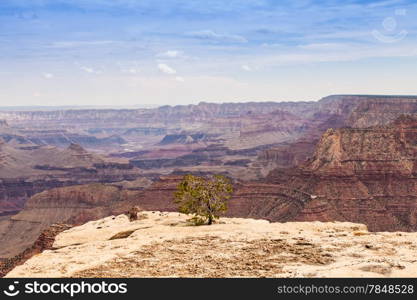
[[205, 198]]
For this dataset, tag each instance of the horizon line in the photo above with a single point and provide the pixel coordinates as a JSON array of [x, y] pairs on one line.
[[17, 108]]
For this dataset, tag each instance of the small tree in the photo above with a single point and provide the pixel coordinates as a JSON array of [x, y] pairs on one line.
[[205, 198]]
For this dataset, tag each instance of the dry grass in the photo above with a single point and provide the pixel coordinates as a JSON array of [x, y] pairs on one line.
[[211, 257]]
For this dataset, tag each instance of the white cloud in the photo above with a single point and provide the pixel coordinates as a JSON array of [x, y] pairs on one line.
[[170, 54], [383, 3], [347, 52], [334, 34], [273, 45], [48, 75], [179, 79], [74, 44], [90, 70], [211, 35], [246, 68], [164, 68], [87, 69], [324, 46], [131, 71]]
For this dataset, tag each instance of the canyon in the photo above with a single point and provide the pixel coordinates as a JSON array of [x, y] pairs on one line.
[[348, 158]]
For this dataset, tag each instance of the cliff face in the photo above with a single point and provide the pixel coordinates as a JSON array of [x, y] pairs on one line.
[[250, 199], [374, 150], [365, 111], [335, 112], [45, 241], [288, 154], [362, 175]]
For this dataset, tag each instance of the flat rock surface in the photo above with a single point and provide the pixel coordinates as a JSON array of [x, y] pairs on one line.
[[162, 244]]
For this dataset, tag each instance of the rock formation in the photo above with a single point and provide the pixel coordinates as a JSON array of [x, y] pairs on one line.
[[162, 244], [364, 175], [355, 111], [44, 242]]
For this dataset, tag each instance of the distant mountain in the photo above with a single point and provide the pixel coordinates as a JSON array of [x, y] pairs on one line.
[[73, 107]]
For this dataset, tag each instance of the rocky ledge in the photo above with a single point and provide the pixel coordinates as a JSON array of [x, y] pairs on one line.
[[44, 241], [162, 244]]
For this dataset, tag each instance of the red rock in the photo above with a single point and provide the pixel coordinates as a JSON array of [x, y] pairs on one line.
[[361, 175]]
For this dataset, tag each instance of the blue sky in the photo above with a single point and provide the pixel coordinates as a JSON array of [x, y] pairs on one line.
[[133, 52]]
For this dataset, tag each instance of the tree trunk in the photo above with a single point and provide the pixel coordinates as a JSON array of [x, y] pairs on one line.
[[210, 216]]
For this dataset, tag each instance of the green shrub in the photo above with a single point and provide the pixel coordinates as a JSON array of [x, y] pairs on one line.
[[205, 198]]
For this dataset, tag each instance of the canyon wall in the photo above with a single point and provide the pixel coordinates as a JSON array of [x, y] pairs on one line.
[[365, 175], [355, 111], [72, 205], [27, 170]]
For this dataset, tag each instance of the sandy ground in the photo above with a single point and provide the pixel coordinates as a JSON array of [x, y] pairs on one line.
[[162, 244]]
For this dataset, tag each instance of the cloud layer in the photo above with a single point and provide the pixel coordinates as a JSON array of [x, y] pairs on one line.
[[295, 50]]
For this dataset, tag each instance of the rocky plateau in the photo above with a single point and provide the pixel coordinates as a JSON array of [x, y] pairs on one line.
[[161, 244]]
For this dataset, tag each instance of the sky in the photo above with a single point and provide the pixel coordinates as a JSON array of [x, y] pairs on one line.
[[169, 52]]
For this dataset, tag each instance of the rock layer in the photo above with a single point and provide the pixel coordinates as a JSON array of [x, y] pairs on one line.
[[27, 170], [365, 175], [44, 242], [70, 205]]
